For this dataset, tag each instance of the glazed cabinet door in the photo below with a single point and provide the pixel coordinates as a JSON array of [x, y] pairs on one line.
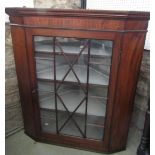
[[71, 80]]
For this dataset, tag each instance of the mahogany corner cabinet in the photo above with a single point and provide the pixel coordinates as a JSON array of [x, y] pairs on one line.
[[77, 72]]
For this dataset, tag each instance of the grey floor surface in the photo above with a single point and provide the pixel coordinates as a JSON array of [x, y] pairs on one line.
[[21, 144]]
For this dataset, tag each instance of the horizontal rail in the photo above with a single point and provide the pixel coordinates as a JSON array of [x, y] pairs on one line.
[[67, 28]]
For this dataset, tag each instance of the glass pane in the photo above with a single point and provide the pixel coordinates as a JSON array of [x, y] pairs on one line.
[[43, 48], [72, 79], [71, 95], [43, 44], [71, 75], [100, 61], [48, 121], [44, 68], [71, 59]]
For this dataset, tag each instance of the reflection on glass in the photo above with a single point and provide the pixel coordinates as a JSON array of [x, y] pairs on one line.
[[76, 100]]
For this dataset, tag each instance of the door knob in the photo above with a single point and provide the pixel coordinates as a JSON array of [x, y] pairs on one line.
[[34, 91]]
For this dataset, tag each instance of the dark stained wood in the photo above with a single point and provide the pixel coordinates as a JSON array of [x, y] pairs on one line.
[[112, 87], [73, 33], [78, 13], [33, 81], [131, 55], [74, 22], [126, 29], [19, 44]]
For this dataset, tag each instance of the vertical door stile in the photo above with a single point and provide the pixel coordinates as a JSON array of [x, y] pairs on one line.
[[87, 87], [55, 89]]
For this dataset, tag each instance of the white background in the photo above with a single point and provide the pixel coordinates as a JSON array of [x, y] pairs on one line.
[[141, 5]]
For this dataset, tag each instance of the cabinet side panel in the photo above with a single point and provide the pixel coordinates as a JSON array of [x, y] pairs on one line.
[[18, 38], [126, 85], [112, 86]]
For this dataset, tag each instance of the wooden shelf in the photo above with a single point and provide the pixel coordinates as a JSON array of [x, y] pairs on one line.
[[72, 98], [94, 125], [72, 48], [46, 87], [95, 77], [96, 60]]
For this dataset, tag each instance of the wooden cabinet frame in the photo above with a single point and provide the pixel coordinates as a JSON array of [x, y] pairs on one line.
[[127, 30]]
